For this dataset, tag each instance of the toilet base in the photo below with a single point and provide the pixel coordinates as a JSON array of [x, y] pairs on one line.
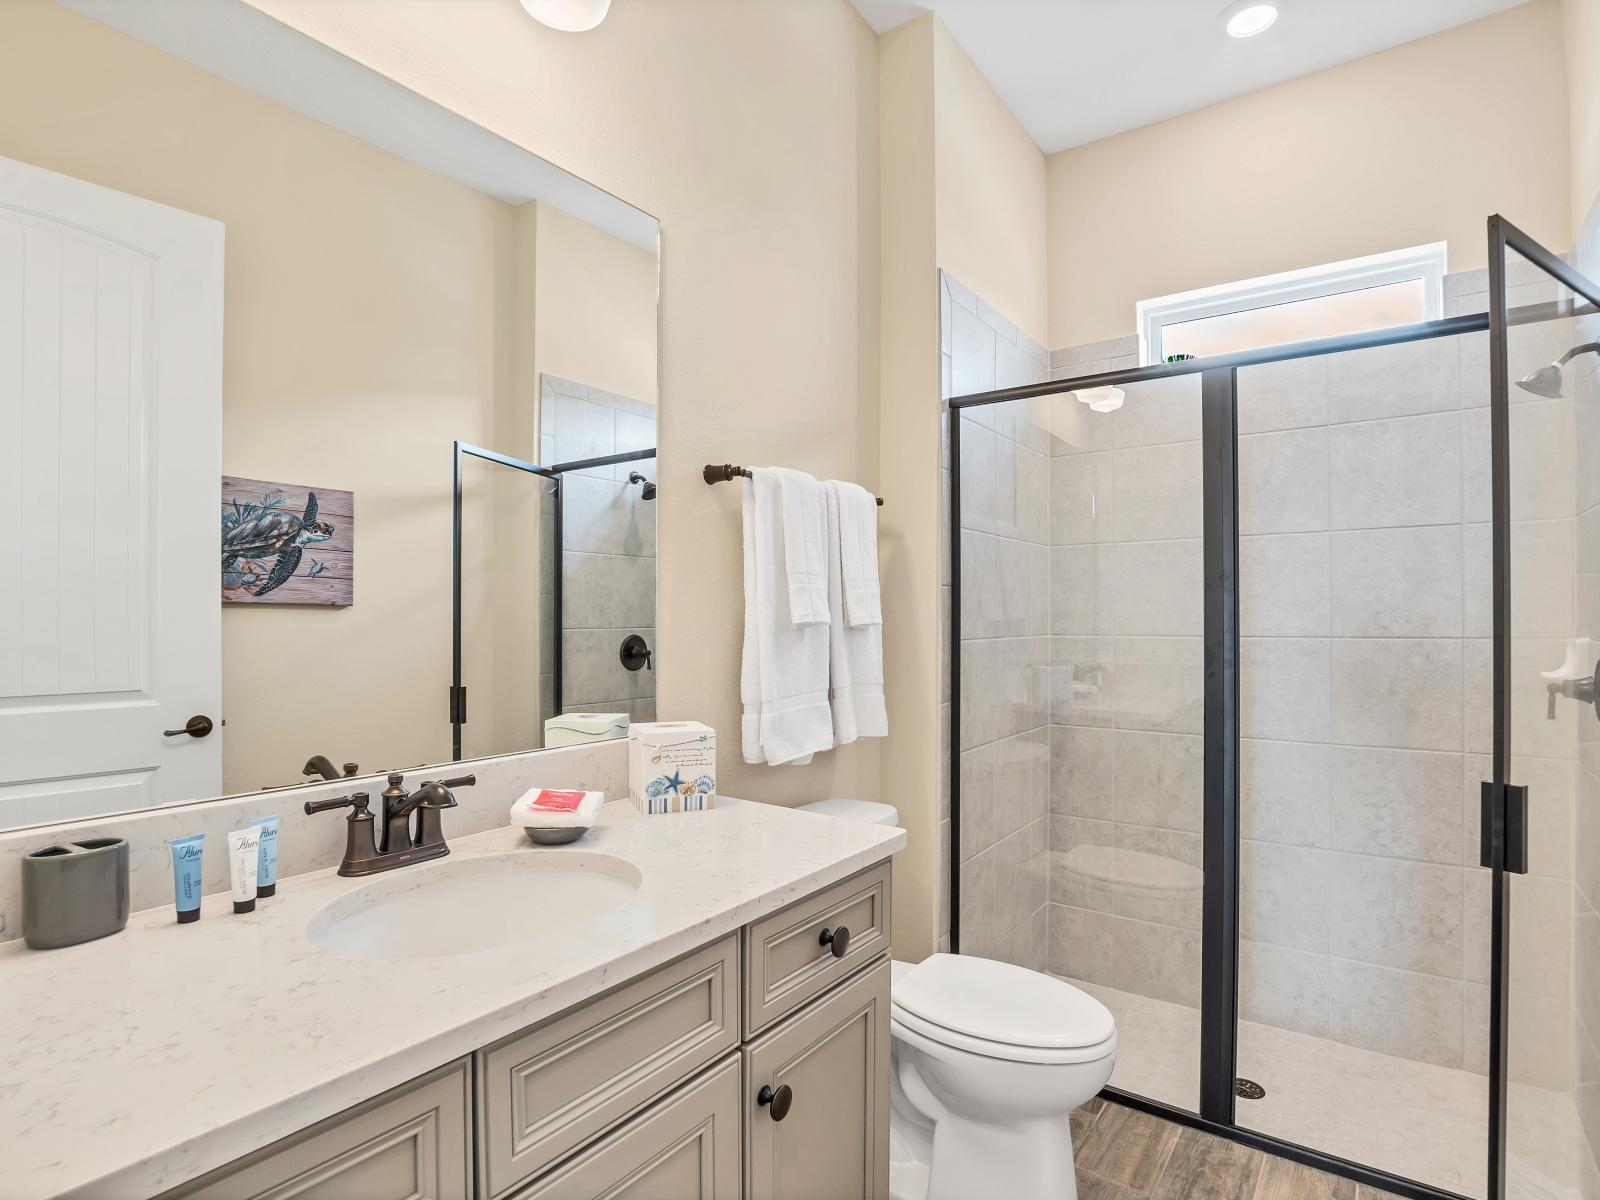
[[1028, 1163]]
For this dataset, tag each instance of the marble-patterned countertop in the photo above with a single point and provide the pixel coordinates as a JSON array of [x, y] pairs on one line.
[[134, 1063]]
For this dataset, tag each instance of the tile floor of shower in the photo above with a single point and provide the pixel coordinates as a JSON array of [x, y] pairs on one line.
[[1410, 1118]]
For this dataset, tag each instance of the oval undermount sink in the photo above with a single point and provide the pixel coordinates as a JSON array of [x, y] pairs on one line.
[[463, 906]]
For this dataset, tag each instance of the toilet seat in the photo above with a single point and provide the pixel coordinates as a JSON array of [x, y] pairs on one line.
[[1001, 1011]]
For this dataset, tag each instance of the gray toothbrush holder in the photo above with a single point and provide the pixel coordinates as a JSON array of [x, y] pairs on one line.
[[74, 892]]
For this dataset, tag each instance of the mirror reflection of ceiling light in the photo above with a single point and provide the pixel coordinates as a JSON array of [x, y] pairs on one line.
[[1101, 399], [569, 16], [1246, 18]]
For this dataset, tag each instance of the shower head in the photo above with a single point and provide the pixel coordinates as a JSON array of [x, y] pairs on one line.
[[648, 491], [1546, 381]]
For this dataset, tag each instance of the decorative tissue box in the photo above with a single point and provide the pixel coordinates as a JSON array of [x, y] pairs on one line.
[[672, 766]]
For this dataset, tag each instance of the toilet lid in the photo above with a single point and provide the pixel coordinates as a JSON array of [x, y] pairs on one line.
[[855, 810], [997, 1002]]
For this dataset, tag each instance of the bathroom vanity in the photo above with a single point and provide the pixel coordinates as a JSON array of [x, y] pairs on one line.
[[721, 1030]]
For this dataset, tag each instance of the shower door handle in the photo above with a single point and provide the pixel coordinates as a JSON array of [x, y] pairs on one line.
[[1503, 826]]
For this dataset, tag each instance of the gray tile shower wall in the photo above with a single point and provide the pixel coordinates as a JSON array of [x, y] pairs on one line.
[[1005, 651], [1365, 615], [609, 548]]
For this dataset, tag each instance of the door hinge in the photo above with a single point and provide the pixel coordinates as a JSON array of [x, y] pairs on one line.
[[458, 705], [1503, 826]]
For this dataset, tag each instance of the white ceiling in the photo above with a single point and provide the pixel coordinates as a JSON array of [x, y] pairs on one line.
[[1076, 70]]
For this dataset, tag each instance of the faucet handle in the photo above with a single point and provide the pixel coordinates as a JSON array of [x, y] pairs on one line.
[[357, 801], [459, 781]]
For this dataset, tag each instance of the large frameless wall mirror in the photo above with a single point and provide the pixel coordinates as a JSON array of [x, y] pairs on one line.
[[253, 297]]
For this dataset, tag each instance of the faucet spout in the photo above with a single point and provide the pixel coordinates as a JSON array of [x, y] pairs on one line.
[[320, 764]]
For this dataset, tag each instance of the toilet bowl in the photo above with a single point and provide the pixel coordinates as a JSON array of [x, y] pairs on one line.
[[988, 1059]]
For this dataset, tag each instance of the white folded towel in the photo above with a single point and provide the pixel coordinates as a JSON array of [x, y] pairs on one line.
[[858, 553], [784, 671], [855, 654], [805, 554]]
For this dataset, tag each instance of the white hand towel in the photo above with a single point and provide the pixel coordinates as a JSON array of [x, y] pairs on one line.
[[858, 553], [855, 655], [805, 553], [784, 671]]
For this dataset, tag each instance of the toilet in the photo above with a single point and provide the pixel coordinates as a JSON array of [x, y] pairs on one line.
[[987, 1061]]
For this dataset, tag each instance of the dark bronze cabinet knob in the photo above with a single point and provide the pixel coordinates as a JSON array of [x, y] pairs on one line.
[[780, 1101], [195, 727], [838, 938]]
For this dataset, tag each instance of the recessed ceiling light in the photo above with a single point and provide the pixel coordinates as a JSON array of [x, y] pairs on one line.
[[569, 16], [1246, 18]]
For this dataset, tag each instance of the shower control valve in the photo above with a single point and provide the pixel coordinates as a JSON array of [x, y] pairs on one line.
[[1581, 689]]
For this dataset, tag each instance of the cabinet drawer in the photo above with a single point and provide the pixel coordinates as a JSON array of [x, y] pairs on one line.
[[829, 1064], [687, 1147], [411, 1143], [786, 962], [544, 1093]]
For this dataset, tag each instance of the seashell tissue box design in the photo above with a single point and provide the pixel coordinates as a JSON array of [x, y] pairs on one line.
[[672, 766]]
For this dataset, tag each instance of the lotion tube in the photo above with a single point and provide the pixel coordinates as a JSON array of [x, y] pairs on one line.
[[267, 862], [186, 878], [244, 853]]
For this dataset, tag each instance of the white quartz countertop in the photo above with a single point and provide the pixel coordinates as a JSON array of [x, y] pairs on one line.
[[131, 1064]]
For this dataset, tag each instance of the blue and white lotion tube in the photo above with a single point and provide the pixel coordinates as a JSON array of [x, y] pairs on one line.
[[186, 877], [267, 860]]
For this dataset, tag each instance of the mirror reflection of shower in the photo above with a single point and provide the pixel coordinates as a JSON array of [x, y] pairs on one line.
[[648, 491], [1547, 380]]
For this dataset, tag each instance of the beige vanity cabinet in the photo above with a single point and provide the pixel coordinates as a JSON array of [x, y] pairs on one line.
[[412, 1143], [756, 1065], [817, 1098]]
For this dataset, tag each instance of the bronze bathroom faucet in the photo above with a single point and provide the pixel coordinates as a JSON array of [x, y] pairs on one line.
[[364, 853]]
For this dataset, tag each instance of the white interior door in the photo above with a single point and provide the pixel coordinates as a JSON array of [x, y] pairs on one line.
[[110, 466]]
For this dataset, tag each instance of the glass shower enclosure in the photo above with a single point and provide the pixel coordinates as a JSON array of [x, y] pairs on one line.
[[1273, 728]]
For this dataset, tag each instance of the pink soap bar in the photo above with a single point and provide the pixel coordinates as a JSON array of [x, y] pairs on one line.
[[548, 801]]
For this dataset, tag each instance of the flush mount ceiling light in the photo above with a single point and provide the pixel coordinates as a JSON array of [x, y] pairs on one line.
[[569, 16], [1246, 18], [1101, 399]]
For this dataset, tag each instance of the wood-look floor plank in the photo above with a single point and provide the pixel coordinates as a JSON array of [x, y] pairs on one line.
[[1127, 1147], [1092, 1187], [1082, 1120], [1203, 1167], [1285, 1180]]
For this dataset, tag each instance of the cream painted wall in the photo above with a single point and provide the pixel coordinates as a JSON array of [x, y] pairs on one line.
[[751, 131], [596, 305], [991, 185], [1581, 20], [365, 302], [1417, 144], [909, 557]]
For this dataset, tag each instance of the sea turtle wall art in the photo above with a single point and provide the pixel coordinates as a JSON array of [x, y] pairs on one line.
[[285, 543]]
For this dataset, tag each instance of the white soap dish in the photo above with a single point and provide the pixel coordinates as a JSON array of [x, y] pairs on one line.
[[554, 818]]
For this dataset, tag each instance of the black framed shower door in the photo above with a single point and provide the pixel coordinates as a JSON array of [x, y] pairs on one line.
[[1504, 804]]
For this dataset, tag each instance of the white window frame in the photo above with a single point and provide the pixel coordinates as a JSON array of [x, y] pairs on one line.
[[1427, 263]]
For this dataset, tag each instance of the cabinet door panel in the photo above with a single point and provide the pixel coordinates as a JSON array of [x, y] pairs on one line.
[[544, 1093], [684, 1148], [408, 1144], [834, 1057]]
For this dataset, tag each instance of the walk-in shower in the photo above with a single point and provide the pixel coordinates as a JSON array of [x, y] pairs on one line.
[[1242, 662]]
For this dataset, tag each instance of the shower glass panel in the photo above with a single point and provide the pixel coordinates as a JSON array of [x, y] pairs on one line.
[[1364, 624], [1082, 681], [1552, 1004], [505, 603]]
